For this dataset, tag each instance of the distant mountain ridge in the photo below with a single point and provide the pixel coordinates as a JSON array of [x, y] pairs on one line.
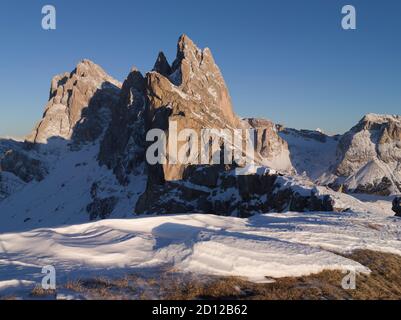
[[366, 159], [369, 157]]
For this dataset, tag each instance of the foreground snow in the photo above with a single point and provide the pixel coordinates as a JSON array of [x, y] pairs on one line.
[[271, 245]]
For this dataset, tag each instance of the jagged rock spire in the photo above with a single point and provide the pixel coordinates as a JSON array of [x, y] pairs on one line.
[[196, 75], [196, 93], [162, 66]]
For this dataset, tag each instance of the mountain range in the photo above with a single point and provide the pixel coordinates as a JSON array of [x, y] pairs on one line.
[[86, 158]]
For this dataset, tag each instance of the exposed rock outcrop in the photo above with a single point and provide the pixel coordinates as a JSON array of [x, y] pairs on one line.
[[270, 149], [22, 166], [397, 206], [123, 147], [162, 66], [369, 156], [77, 105], [216, 190], [101, 208], [9, 181], [191, 93]]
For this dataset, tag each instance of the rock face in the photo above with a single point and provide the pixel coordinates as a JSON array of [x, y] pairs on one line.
[[162, 66], [270, 149], [100, 207], [192, 93], [123, 147], [10, 151], [397, 206], [77, 104], [216, 190], [22, 166], [369, 156]]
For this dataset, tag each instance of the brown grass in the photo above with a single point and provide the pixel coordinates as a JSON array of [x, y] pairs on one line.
[[39, 292], [103, 288], [383, 283], [9, 298], [75, 285]]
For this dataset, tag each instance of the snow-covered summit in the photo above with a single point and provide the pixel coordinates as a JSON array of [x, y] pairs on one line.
[[380, 118]]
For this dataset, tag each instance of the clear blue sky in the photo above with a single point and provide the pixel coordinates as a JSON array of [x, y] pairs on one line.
[[287, 60]]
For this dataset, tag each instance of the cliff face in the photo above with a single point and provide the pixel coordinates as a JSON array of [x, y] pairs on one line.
[[270, 149], [192, 93], [369, 156], [76, 103], [123, 146]]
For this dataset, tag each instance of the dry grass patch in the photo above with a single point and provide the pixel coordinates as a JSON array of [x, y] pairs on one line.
[[9, 298], [75, 285], [39, 292], [103, 288], [383, 283]]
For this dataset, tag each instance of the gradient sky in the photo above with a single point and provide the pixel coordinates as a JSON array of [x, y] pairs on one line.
[[287, 60]]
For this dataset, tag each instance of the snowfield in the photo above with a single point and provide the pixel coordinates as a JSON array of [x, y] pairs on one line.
[[45, 223], [259, 248]]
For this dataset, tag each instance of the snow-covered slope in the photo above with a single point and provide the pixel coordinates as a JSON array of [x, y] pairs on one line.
[[9, 182], [271, 245], [366, 159], [311, 152], [63, 196]]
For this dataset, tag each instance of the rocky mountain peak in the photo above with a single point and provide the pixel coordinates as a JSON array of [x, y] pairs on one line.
[[186, 48], [134, 80], [195, 63], [372, 121], [194, 95], [380, 118], [162, 66], [89, 68], [74, 96], [194, 76], [369, 155]]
